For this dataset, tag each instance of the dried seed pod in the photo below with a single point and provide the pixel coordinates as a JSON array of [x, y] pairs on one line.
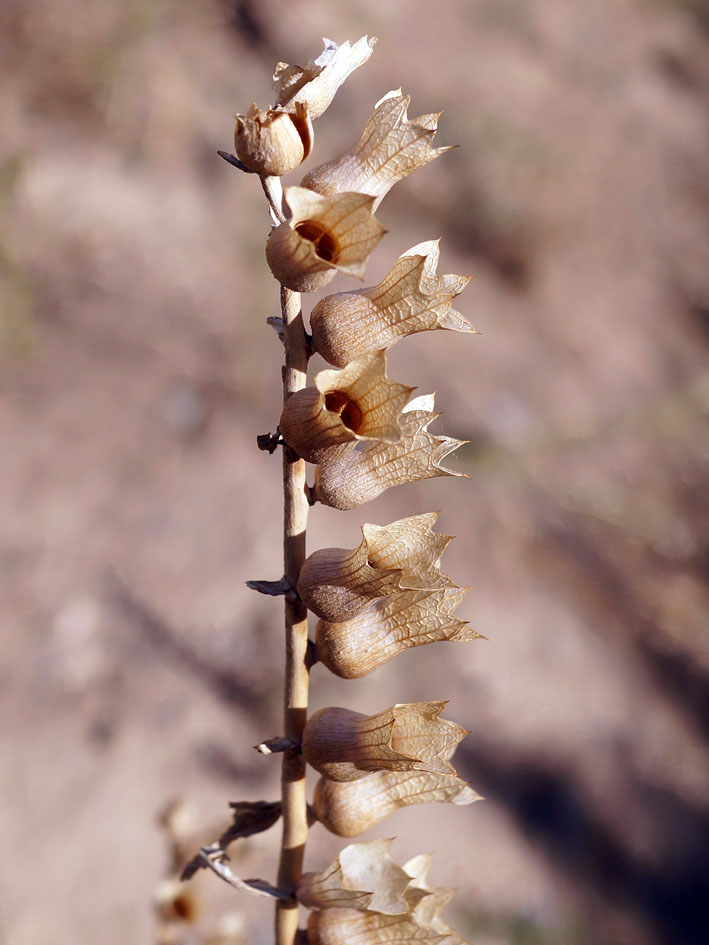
[[391, 147], [273, 142], [337, 584], [351, 808], [345, 926], [363, 876], [343, 745], [342, 407], [403, 619], [411, 298], [315, 85], [352, 477], [323, 235]]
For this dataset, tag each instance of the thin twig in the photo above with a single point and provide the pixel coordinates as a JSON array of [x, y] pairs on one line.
[[213, 857]]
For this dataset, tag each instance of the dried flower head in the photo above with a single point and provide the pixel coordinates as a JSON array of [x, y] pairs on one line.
[[337, 584], [355, 476], [322, 235], [344, 745], [273, 142], [350, 808], [315, 85], [391, 147], [359, 403], [411, 298]]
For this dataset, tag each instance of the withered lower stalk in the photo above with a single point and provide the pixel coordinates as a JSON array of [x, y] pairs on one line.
[[295, 517]]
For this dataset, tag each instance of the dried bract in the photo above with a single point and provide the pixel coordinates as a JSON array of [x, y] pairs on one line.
[[350, 808], [359, 403], [363, 876], [355, 476], [337, 584], [315, 85], [344, 745], [404, 618], [391, 147], [411, 298], [322, 235]]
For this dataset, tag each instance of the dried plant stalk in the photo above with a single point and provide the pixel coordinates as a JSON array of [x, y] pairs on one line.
[[295, 708]]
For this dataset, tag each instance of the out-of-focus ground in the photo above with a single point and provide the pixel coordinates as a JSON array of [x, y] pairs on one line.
[[136, 371]]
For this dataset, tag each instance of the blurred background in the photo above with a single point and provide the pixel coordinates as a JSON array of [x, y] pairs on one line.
[[136, 370]]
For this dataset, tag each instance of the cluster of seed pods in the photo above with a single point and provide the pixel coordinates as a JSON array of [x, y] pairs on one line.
[[364, 434]]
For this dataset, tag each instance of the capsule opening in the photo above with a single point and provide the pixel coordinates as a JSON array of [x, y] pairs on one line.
[[324, 245]]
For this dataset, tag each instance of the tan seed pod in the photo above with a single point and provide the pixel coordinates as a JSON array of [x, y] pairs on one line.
[[351, 808], [273, 142], [411, 298], [315, 85], [322, 235], [344, 745], [391, 147], [358, 403], [337, 584], [404, 618], [352, 477]]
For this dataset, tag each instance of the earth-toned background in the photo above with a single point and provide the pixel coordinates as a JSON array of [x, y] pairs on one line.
[[136, 370]]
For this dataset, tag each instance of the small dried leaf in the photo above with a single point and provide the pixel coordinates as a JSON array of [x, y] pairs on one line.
[[350, 808], [343, 745], [355, 476], [391, 147], [403, 619], [363, 876], [411, 298], [337, 584], [323, 235], [316, 84], [359, 403]]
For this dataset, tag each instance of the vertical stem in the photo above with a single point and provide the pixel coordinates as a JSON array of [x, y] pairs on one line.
[[295, 516]]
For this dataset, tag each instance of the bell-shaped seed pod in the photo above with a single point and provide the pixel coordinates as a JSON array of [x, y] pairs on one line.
[[273, 142], [410, 298], [427, 910], [347, 926], [403, 619], [337, 584], [391, 147], [323, 235], [364, 877], [355, 476], [351, 808], [342, 407], [344, 745], [315, 85]]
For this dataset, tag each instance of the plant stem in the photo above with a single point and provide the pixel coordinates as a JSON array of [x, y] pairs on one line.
[[295, 516]]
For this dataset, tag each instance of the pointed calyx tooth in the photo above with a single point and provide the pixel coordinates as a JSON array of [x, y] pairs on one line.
[[350, 477], [391, 147], [322, 235], [337, 584], [410, 298], [363, 876], [359, 403], [351, 808], [405, 618], [344, 745], [273, 142], [315, 84]]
